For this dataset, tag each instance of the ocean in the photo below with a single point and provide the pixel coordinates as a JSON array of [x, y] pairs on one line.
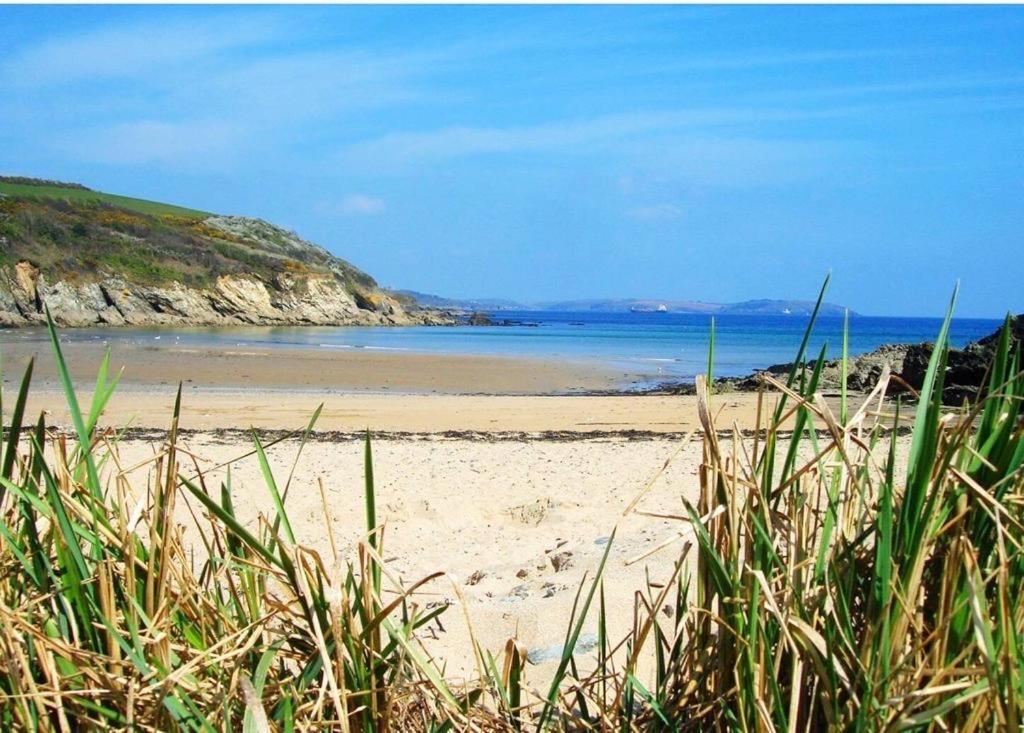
[[649, 348]]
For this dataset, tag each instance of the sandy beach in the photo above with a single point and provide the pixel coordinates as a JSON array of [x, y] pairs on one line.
[[514, 495], [279, 389], [535, 416]]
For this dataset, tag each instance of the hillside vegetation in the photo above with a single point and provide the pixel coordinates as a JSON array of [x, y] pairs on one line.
[[80, 232], [93, 244]]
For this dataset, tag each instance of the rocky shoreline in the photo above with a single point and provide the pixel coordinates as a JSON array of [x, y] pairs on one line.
[[289, 300], [966, 370]]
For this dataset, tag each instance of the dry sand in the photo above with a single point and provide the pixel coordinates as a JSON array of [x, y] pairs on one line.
[[349, 413], [495, 490], [495, 515]]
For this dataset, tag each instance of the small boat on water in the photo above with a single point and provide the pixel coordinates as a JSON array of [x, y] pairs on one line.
[[660, 308]]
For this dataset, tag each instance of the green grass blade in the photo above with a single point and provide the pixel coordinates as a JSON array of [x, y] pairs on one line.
[[275, 495], [17, 416], [84, 435], [711, 357]]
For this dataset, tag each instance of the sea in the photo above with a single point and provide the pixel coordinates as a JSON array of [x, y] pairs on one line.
[[646, 348]]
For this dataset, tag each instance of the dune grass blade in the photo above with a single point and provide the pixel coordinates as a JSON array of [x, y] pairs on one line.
[[84, 434], [370, 497], [17, 416], [798, 362], [844, 368], [275, 494]]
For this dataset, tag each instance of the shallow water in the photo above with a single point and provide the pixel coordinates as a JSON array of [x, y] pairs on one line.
[[654, 346]]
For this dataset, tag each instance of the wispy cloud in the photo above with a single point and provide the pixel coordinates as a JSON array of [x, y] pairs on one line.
[[357, 204], [562, 135], [190, 94], [707, 147], [133, 50], [758, 59], [958, 84]]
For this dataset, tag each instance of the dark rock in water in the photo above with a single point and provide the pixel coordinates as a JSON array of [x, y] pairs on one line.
[[965, 376], [1016, 333], [966, 368], [863, 372], [480, 319]]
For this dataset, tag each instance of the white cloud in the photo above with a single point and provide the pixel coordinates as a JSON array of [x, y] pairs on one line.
[[133, 50], [655, 212], [563, 135], [358, 204], [130, 93]]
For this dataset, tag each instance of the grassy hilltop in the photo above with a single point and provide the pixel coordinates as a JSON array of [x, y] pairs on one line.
[[17, 186], [72, 232]]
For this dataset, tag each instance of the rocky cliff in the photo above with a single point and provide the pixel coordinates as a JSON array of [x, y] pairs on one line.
[[94, 262]]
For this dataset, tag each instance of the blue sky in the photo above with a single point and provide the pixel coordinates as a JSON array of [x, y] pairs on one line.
[[713, 153]]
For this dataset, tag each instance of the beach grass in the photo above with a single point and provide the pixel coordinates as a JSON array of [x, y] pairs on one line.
[[820, 581]]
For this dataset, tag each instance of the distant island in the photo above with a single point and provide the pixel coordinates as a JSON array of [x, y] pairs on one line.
[[627, 305], [94, 258]]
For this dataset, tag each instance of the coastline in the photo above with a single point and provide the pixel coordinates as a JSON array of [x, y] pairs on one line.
[[403, 394], [490, 489]]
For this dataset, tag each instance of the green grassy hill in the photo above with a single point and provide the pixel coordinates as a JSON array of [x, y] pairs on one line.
[[75, 233], [26, 188]]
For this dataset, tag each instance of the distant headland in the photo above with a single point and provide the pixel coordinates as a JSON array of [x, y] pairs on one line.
[[762, 307]]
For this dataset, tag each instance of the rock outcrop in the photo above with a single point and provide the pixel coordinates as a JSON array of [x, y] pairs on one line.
[[315, 299], [476, 318], [965, 376], [94, 264]]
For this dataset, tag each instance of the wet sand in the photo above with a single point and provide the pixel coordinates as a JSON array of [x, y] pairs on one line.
[[314, 369], [390, 392]]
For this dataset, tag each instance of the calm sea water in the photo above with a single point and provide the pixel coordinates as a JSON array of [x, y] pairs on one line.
[[648, 347]]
